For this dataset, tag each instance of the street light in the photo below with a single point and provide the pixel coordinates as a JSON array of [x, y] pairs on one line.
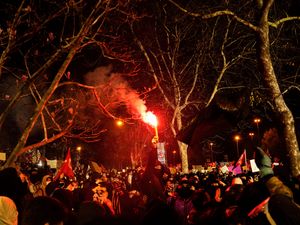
[[211, 151], [119, 123], [237, 138], [78, 155], [257, 121], [251, 135], [78, 148]]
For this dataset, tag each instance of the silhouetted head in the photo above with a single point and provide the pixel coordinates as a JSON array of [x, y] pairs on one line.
[[11, 184], [42, 210]]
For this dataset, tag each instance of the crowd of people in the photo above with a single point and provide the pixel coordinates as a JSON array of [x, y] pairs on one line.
[[149, 195]]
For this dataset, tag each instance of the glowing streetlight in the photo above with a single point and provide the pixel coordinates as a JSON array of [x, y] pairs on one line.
[[257, 121], [251, 135], [211, 144], [78, 148], [237, 138], [119, 123]]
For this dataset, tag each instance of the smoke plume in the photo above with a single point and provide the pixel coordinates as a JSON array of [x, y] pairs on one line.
[[114, 90]]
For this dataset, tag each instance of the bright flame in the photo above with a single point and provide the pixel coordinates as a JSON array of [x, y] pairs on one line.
[[150, 118]]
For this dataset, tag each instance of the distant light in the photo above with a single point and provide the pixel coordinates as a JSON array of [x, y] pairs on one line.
[[256, 120], [78, 148], [237, 137], [174, 152], [251, 134], [119, 123]]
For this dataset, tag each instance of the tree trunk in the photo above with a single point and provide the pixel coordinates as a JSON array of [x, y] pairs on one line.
[[184, 157], [271, 83], [182, 146]]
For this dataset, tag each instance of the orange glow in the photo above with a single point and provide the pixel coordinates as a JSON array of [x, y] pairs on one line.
[[119, 123], [150, 119], [251, 134], [256, 120], [237, 137]]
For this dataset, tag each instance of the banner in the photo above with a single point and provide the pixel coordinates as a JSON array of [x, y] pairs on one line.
[[2, 156], [253, 166], [161, 153], [224, 169], [96, 168], [237, 170], [52, 163]]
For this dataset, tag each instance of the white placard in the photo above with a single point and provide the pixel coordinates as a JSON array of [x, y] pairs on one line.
[[224, 169], [161, 153], [253, 165], [52, 164]]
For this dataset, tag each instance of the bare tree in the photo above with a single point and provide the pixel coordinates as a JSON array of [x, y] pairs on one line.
[[60, 56], [176, 73], [261, 27], [180, 54]]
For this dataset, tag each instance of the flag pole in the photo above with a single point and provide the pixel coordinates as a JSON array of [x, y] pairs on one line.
[[246, 160]]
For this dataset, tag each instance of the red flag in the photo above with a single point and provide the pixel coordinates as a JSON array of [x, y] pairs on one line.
[[242, 159], [66, 167]]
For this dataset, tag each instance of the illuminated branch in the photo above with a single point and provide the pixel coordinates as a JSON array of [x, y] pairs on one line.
[[224, 68], [216, 14], [278, 22], [42, 143], [151, 66], [42, 114], [88, 134], [186, 100], [101, 106]]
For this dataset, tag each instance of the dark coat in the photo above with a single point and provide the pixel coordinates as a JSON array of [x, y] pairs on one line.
[[282, 207]]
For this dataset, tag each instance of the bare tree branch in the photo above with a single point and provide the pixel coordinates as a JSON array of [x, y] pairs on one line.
[[283, 20], [216, 14]]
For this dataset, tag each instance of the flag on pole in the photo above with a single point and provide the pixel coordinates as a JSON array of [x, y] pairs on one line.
[[242, 160], [66, 167], [237, 170]]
